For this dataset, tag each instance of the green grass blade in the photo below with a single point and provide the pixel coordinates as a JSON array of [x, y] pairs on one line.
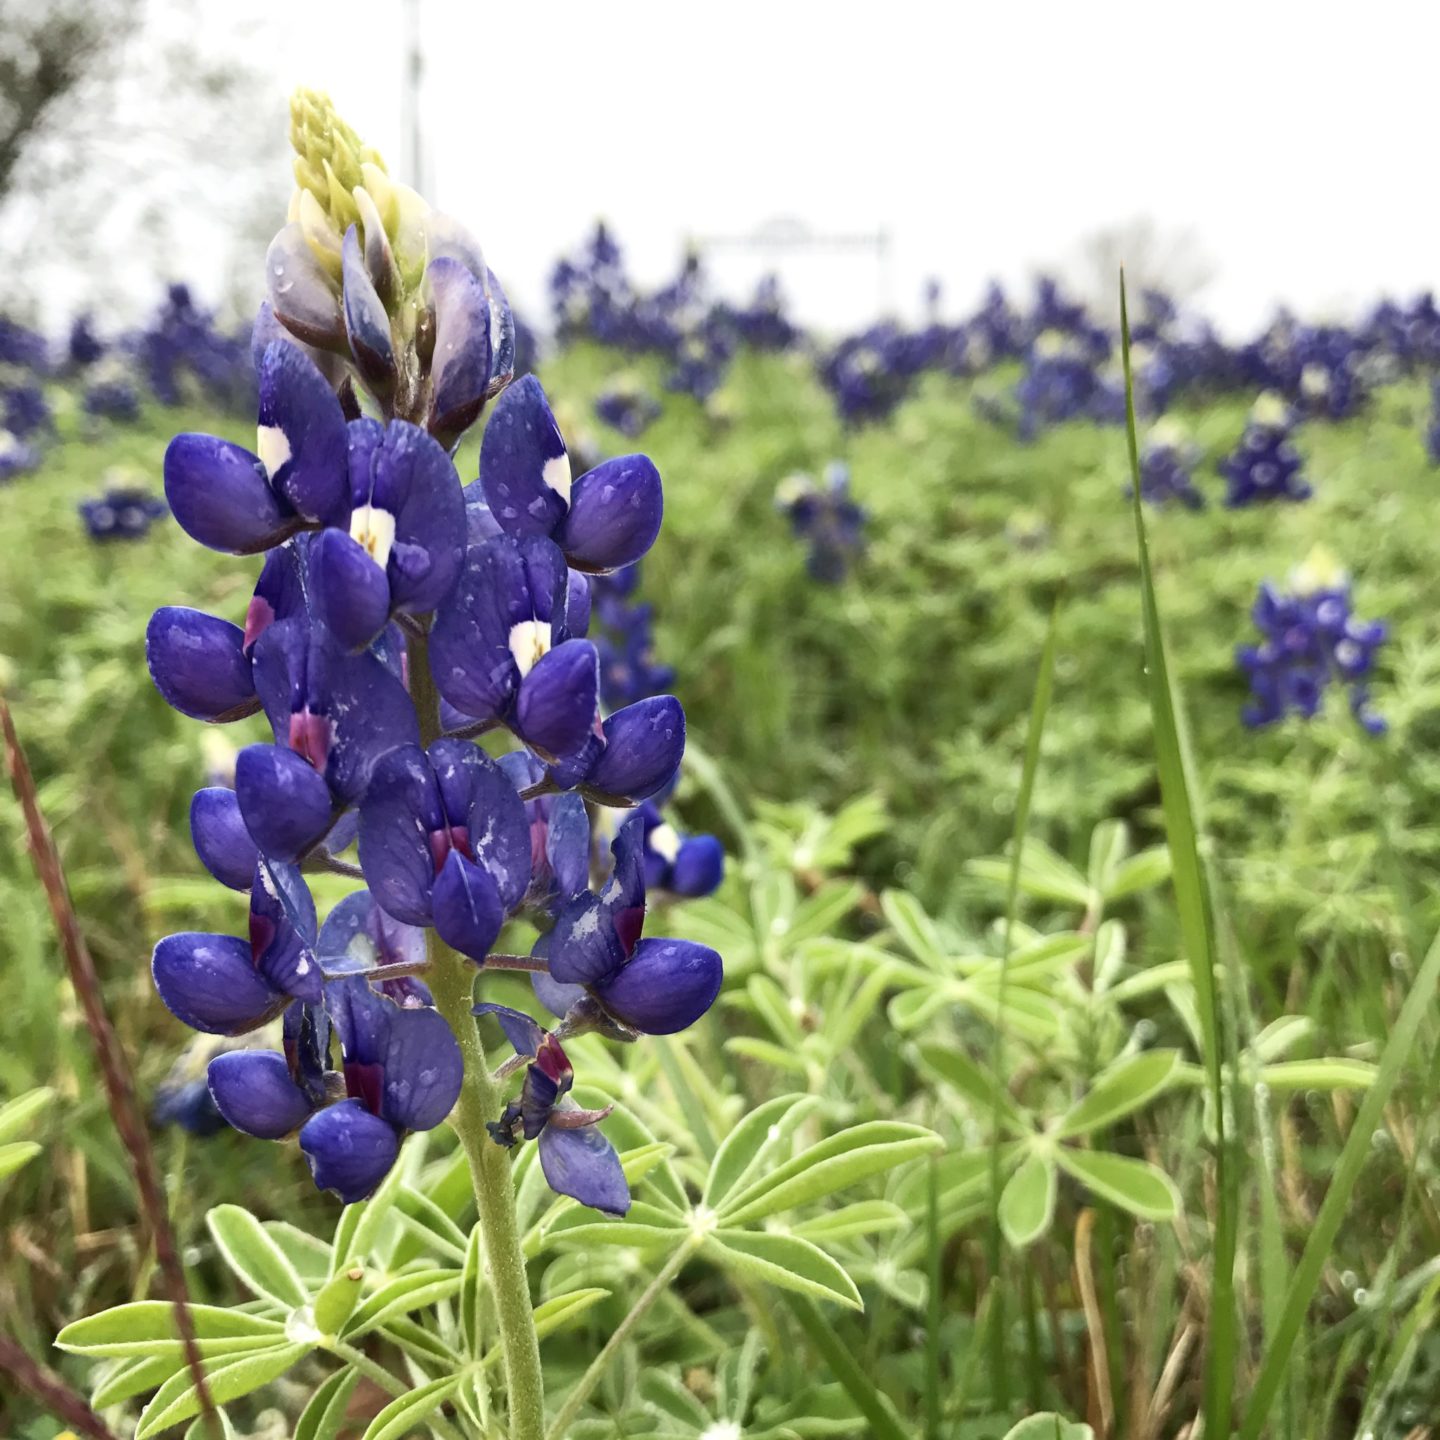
[[1039, 708], [1197, 926], [884, 1424], [932, 1309], [1337, 1197]]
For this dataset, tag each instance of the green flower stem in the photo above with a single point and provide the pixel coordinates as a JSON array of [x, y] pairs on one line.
[[591, 1378], [452, 983]]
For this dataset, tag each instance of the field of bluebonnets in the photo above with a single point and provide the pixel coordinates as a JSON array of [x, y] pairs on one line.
[[1076, 1053]]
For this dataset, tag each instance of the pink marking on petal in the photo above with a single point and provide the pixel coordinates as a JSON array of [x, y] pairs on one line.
[[311, 736], [262, 935], [258, 618], [628, 927], [552, 1061], [365, 1083]]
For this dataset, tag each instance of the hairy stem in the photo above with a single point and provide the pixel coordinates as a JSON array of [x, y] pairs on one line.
[[591, 1378], [452, 983]]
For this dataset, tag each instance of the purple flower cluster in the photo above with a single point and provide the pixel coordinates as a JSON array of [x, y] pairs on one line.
[[1310, 639], [17, 457], [826, 518], [627, 407], [396, 617], [1167, 463], [625, 638], [1265, 466], [121, 512]]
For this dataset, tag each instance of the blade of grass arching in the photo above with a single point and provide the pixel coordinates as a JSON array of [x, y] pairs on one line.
[[1337, 1197], [1197, 927], [875, 1407], [932, 1306], [1039, 707]]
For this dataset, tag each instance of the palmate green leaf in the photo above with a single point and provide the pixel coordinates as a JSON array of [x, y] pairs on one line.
[[358, 1233], [400, 1296], [1281, 1035], [773, 1007], [754, 1141], [429, 1224], [1140, 872], [201, 1429], [254, 1256], [1109, 844], [1122, 1089], [403, 1414], [1027, 1013], [1049, 1426], [1043, 875], [766, 1052], [17, 1116], [914, 928], [472, 1289], [645, 1227], [16, 1154], [819, 913], [309, 1255], [324, 1414], [147, 1327], [1166, 976], [1335, 1073], [126, 1378], [974, 1082], [1133, 1185], [831, 1164], [879, 1412], [229, 1379], [783, 1260], [1027, 1203], [864, 1217], [561, 1310], [666, 1393]]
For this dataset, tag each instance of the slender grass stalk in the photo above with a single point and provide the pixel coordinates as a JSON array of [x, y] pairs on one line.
[[596, 1369], [1197, 926], [452, 983], [876, 1408], [1039, 707], [932, 1306], [114, 1063], [378, 1375], [1337, 1197]]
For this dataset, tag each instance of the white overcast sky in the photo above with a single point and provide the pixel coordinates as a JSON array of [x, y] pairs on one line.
[[1295, 142]]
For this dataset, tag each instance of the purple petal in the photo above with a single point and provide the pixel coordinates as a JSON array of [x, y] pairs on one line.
[[415, 481], [400, 810], [349, 1150], [577, 604], [524, 467], [285, 802], [665, 986], [222, 842], [567, 844], [220, 495], [348, 589], [210, 983], [558, 999], [615, 512], [699, 867], [470, 652], [460, 369], [282, 931], [302, 294], [468, 909], [367, 326], [198, 663], [280, 590], [556, 704], [358, 934], [303, 436], [521, 1030], [583, 1165], [478, 794], [502, 331], [644, 744], [253, 1090]]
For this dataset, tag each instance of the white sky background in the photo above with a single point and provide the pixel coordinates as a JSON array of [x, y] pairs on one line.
[[1293, 143]]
